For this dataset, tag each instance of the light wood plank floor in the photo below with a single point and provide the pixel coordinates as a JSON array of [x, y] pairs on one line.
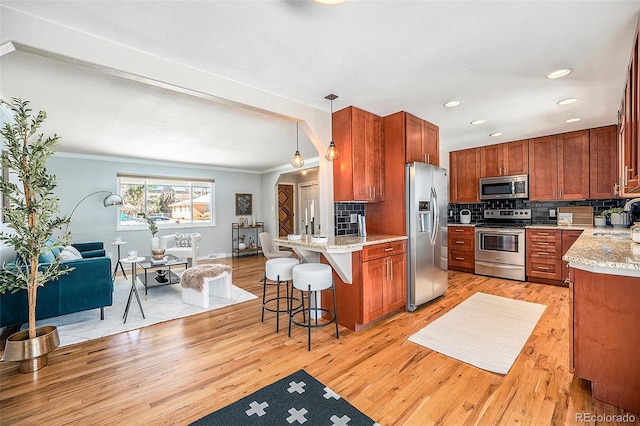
[[179, 371]]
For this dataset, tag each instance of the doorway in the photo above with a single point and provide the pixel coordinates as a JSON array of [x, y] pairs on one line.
[[286, 195], [308, 194]]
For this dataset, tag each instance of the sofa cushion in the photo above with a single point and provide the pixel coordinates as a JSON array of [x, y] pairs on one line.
[[47, 255], [183, 240]]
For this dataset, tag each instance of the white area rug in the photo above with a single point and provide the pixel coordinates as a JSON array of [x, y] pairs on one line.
[[485, 331], [163, 303]]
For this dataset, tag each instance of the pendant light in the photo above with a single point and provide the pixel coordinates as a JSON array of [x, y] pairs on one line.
[[297, 160], [332, 152]]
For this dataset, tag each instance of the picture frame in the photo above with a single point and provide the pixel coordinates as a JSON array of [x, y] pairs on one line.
[[244, 204]]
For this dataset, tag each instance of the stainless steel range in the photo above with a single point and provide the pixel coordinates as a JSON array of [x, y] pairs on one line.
[[500, 243]]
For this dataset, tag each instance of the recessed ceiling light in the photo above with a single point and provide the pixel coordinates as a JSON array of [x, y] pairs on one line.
[[572, 120], [330, 1], [567, 101], [495, 135], [452, 104], [560, 73], [476, 122]]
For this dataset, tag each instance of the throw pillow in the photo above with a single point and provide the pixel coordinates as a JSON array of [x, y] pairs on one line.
[[69, 253], [183, 240]]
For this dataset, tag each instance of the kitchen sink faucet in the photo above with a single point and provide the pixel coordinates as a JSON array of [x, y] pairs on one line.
[[627, 207]]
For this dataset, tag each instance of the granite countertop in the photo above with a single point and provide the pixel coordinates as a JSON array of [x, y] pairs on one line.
[[342, 242], [605, 250]]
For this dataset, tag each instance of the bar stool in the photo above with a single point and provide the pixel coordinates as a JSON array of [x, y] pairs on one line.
[[278, 272], [311, 279]]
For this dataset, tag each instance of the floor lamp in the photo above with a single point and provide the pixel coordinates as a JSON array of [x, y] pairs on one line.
[[111, 200]]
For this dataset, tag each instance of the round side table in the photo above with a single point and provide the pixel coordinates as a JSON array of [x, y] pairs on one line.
[[133, 290], [118, 263]]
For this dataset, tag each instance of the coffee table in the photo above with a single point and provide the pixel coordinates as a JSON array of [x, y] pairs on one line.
[[152, 280]]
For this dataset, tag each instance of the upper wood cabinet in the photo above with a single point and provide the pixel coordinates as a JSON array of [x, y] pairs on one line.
[[559, 167], [420, 138], [464, 179], [505, 159], [629, 128], [359, 172], [603, 158]]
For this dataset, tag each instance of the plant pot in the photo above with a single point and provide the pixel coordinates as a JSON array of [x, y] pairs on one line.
[[620, 220], [600, 222], [32, 354], [155, 243]]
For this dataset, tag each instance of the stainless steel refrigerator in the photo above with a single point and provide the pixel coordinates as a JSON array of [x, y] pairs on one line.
[[427, 199]]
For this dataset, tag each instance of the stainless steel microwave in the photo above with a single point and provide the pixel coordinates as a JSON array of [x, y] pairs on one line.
[[504, 187]]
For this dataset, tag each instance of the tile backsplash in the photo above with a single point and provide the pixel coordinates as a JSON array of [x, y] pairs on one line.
[[539, 209], [342, 217]]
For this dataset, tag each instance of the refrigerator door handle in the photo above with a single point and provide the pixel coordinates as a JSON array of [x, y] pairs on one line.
[[435, 216]]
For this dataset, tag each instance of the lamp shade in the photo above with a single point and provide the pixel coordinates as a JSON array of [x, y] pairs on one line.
[[332, 152], [113, 200]]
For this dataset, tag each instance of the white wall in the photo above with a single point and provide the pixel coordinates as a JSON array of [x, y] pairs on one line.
[[82, 175]]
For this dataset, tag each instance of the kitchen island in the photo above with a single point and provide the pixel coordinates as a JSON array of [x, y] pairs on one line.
[[370, 274], [604, 319]]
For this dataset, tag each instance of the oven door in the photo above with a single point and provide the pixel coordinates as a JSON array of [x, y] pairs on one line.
[[500, 245]]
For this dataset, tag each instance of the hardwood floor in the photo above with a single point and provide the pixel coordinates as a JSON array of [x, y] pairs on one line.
[[181, 370]]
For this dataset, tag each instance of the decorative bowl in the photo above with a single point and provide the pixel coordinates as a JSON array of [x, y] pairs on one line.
[[294, 237], [319, 239], [157, 254]]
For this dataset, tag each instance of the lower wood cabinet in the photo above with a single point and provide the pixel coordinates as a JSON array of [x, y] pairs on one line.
[[379, 285], [544, 251], [461, 248], [604, 337]]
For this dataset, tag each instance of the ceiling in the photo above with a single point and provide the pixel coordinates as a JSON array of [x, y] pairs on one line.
[[382, 56]]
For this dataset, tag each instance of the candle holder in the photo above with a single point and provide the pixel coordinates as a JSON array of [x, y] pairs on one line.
[[306, 229], [313, 227]]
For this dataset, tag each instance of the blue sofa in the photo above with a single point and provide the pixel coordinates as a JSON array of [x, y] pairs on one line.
[[88, 286]]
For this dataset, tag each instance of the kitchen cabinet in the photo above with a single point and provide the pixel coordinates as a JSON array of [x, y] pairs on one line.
[[464, 180], [561, 165], [603, 158], [604, 311], [545, 248], [379, 285], [421, 138], [568, 238], [628, 126], [384, 279], [359, 172], [461, 248], [543, 255], [505, 159]]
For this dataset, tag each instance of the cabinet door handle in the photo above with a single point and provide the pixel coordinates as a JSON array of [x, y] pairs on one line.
[[543, 233], [391, 275], [459, 258], [541, 243], [542, 268], [388, 249], [459, 230], [459, 242], [543, 252]]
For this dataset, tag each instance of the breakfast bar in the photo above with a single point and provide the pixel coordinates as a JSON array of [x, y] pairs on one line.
[[337, 250]]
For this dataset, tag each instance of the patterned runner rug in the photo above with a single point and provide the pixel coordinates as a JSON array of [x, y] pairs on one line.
[[296, 399]]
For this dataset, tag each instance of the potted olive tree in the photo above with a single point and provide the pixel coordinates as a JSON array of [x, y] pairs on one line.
[[30, 213]]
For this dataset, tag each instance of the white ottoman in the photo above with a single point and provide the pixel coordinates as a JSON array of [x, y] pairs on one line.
[[219, 286]]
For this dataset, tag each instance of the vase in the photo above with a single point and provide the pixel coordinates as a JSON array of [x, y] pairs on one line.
[[155, 243], [32, 354]]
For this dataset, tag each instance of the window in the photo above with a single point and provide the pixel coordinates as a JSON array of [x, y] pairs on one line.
[[172, 202]]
